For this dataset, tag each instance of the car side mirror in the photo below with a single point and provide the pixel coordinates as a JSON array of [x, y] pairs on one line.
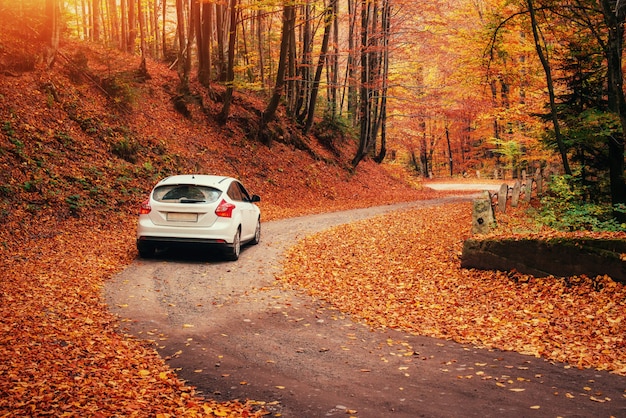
[[255, 198]]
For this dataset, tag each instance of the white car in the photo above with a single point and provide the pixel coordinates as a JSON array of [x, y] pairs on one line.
[[198, 209]]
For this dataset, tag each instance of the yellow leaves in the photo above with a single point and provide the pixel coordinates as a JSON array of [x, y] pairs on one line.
[[405, 275]]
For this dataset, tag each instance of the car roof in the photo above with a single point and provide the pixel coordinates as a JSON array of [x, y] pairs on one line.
[[197, 179]]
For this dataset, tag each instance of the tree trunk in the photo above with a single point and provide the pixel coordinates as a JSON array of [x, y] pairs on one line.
[[450, 160], [141, 14], [221, 59], [384, 75], [352, 62], [328, 20], [546, 68], [259, 28], [334, 63], [183, 70], [163, 33], [95, 20], [289, 17], [114, 24], [52, 32], [303, 85], [132, 26], [124, 26], [203, 41], [230, 71], [364, 89], [614, 19]]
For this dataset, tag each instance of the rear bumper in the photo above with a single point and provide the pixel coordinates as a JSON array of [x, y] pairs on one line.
[[179, 240], [218, 233]]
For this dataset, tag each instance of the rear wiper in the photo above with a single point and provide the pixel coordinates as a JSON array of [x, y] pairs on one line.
[[186, 200]]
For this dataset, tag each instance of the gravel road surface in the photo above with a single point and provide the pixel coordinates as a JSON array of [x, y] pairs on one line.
[[232, 332]]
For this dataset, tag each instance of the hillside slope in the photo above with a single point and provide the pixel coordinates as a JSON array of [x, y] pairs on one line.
[[92, 135], [80, 147]]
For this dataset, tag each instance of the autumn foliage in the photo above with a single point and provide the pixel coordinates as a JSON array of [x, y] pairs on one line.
[[402, 271], [80, 146]]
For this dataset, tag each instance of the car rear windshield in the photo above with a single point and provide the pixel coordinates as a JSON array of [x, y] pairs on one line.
[[186, 193]]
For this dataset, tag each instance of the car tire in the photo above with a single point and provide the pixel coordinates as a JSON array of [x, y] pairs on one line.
[[146, 250], [257, 233], [232, 252]]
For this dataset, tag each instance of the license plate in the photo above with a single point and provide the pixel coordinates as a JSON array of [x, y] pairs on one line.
[[182, 217]]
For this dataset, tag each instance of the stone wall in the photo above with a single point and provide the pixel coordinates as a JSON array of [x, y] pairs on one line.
[[557, 257]]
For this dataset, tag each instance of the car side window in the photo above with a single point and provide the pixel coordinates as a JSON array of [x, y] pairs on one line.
[[244, 193], [234, 192]]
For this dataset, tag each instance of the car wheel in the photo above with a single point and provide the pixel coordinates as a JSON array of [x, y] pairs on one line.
[[257, 234], [232, 253], [146, 250]]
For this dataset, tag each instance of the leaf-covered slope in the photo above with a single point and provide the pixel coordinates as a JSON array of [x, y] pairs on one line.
[[80, 147], [91, 135]]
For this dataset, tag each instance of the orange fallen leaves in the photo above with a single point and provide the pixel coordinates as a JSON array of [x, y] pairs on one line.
[[61, 350], [403, 271]]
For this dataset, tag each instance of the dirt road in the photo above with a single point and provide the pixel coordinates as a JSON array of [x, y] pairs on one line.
[[233, 333]]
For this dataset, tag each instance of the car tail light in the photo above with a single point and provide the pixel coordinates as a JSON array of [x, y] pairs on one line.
[[145, 207], [224, 209]]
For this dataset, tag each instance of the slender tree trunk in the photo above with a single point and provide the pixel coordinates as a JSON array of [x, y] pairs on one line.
[[334, 64], [450, 159], [352, 63], [203, 36], [221, 59], [114, 22], [230, 71], [52, 32], [85, 15], [365, 115], [183, 70], [328, 21], [244, 41], [386, 36], [304, 83], [259, 28], [142, 37], [289, 17], [546, 68], [163, 32], [123, 26], [95, 20], [614, 17], [132, 26]]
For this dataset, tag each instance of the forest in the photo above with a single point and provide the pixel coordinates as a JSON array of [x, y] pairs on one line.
[[320, 106], [474, 87]]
